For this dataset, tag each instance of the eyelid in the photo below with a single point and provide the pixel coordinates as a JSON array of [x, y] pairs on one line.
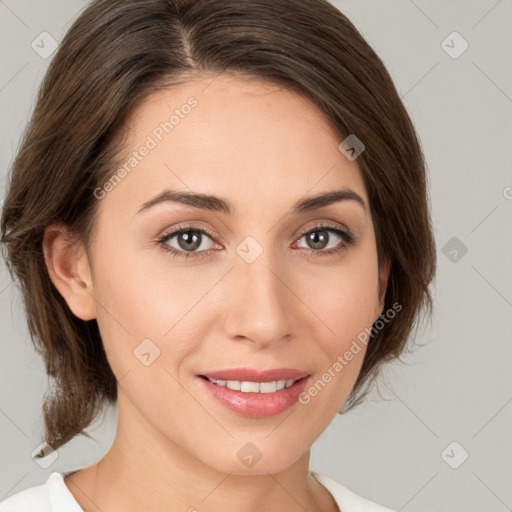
[[189, 227], [317, 225]]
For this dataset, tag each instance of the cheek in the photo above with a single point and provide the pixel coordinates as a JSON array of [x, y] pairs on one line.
[[343, 297], [150, 305], [136, 308], [344, 301], [341, 342]]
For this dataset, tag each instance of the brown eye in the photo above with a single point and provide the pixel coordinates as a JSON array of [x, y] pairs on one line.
[[188, 242], [321, 237]]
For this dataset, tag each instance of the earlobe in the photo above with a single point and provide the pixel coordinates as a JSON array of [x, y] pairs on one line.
[[69, 271]]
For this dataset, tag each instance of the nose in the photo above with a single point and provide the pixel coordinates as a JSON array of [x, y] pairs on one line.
[[259, 302]]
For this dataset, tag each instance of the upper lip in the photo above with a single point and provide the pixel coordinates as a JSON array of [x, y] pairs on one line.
[[255, 375]]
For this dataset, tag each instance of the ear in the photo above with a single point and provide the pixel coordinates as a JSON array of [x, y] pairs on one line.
[[383, 284], [69, 270]]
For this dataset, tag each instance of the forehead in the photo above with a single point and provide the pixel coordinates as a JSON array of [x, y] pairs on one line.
[[234, 137]]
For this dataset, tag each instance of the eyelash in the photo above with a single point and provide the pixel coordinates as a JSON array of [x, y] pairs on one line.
[[347, 236]]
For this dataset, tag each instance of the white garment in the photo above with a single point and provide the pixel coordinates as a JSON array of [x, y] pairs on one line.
[[54, 496]]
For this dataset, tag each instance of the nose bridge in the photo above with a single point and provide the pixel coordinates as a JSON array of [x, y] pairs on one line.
[[259, 298]]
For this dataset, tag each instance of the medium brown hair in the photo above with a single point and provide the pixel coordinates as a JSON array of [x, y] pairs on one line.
[[118, 52]]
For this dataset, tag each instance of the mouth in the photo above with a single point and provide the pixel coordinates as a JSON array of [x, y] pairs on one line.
[[253, 387], [254, 393]]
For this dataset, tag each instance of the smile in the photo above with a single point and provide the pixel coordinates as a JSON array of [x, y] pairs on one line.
[[254, 399], [253, 387]]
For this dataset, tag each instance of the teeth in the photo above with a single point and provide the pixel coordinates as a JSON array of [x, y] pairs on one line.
[[254, 387]]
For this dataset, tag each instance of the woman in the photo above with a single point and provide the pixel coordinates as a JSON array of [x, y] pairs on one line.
[[219, 221]]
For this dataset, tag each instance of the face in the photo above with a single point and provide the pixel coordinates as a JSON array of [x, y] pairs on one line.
[[183, 290]]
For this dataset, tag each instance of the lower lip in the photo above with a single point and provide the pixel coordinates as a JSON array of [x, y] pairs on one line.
[[256, 405]]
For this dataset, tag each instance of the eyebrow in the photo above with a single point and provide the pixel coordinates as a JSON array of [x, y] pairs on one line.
[[217, 204]]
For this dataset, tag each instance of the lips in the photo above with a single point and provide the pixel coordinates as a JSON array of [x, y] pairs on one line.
[[255, 375], [255, 404]]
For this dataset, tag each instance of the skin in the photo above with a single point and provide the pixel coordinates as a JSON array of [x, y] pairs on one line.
[[262, 148]]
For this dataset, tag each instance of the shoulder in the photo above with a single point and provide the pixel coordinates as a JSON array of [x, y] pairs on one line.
[[346, 499], [51, 496]]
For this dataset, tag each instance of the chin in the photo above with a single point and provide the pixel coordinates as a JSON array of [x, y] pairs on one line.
[[253, 455]]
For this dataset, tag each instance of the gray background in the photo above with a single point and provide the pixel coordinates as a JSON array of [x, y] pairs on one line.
[[455, 387]]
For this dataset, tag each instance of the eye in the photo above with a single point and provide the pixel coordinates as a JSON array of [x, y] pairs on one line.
[[318, 239], [188, 240]]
